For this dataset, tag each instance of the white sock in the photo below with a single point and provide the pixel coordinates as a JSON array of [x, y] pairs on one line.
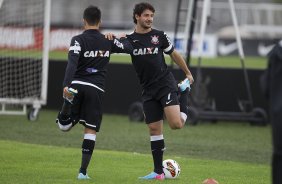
[[156, 137]]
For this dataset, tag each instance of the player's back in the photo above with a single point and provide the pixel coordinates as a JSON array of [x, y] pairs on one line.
[[93, 58], [90, 52]]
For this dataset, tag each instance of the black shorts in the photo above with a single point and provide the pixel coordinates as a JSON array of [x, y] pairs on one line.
[[158, 97], [87, 106]]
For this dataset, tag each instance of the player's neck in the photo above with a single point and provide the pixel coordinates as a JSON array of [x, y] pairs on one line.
[[141, 30], [91, 27], [87, 26]]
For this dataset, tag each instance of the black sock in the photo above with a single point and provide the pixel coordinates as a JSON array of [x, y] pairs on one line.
[[87, 150], [183, 99], [157, 148], [66, 108]]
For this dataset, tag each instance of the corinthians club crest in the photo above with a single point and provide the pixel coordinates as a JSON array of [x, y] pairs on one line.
[[155, 39]]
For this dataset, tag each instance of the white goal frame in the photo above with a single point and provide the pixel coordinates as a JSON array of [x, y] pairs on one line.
[[36, 103]]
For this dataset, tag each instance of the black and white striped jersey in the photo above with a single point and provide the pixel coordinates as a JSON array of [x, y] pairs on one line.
[[147, 55], [88, 56]]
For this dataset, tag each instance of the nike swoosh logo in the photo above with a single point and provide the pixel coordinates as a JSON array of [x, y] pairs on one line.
[[168, 102], [135, 41], [225, 49], [264, 50]]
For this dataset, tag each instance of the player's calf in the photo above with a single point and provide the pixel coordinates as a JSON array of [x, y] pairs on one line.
[[184, 88], [183, 100], [64, 120]]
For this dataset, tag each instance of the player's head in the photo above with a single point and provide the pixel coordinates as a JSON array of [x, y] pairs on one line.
[[92, 16], [143, 14]]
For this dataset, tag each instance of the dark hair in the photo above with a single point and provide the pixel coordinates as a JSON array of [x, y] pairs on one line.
[[92, 15], [140, 8]]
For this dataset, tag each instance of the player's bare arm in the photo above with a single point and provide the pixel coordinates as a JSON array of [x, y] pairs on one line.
[[178, 59]]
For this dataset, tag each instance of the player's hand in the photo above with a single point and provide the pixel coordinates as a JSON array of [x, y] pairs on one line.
[[69, 93], [122, 35], [109, 36], [66, 93], [190, 78]]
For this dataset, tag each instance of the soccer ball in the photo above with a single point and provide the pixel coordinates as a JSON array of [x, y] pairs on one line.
[[171, 169]]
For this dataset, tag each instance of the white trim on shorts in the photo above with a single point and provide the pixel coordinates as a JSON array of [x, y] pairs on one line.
[[82, 120], [87, 84]]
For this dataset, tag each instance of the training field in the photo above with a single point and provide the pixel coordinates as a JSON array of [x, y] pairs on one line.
[[37, 152], [226, 62]]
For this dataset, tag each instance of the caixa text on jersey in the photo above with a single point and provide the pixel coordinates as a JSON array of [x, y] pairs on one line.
[[97, 53], [145, 51]]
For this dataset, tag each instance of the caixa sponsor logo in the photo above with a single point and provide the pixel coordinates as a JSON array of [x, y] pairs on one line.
[[97, 53], [145, 51]]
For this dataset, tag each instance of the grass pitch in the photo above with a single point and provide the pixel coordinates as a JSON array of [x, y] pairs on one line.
[[226, 62], [37, 152], [29, 163]]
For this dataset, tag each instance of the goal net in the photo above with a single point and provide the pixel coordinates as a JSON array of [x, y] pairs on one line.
[[24, 37]]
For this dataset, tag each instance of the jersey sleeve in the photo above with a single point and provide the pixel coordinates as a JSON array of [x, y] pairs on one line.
[[167, 46], [121, 45], [73, 57]]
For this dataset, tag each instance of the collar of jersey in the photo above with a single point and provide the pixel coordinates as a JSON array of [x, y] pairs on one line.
[[91, 31], [144, 33]]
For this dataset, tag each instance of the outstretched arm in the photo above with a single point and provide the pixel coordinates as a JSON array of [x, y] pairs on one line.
[[120, 44], [178, 59]]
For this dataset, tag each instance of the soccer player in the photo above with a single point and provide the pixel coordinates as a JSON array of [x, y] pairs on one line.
[[160, 90], [84, 82]]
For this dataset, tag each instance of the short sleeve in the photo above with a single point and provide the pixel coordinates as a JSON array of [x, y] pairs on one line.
[[75, 46], [166, 44], [121, 45]]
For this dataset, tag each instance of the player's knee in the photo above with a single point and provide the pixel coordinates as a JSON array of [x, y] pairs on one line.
[[176, 124], [64, 124]]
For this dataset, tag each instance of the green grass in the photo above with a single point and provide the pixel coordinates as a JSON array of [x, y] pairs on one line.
[[37, 152], [222, 141], [226, 62], [232, 62], [20, 54], [29, 163], [221, 62]]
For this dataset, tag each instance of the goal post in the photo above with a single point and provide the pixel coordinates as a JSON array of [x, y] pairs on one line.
[[24, 51]]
